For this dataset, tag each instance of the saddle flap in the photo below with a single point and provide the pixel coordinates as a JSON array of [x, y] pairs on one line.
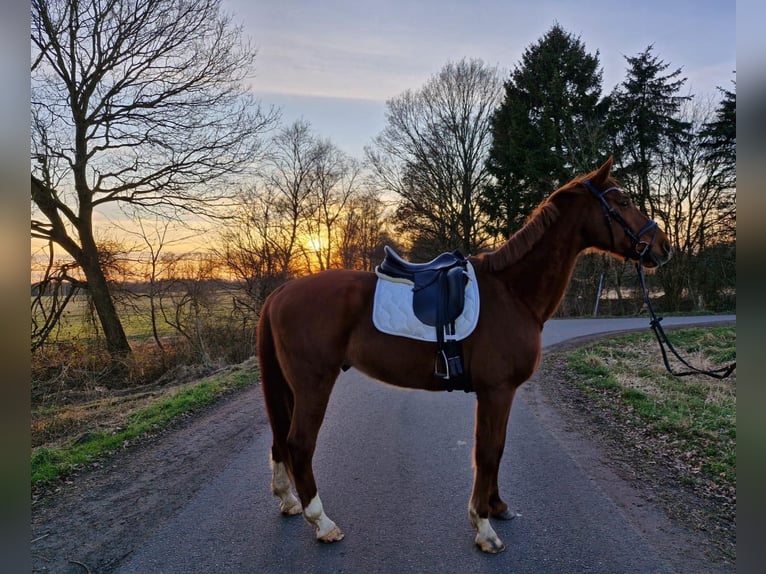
[[457, 278], [438, 296]]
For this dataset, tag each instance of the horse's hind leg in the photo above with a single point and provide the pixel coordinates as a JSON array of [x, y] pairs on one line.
[[279, 404], [281, 410], [281, 487], [307, 419]]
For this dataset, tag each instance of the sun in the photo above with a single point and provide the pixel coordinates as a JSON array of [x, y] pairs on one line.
[[315, 243]]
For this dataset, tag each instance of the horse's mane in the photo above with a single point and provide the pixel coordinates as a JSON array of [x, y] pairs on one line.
[[521, 242]]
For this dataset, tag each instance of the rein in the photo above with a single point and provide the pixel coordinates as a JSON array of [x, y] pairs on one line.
[[643, 249], [662, 339]]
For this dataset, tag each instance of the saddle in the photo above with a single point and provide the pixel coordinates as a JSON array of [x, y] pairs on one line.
[[438, 298]]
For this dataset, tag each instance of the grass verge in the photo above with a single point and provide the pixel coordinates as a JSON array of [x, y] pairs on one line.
[[689, 421], [128, 420]]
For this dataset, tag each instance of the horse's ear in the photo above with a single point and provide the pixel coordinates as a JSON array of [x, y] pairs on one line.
[[602, 173]]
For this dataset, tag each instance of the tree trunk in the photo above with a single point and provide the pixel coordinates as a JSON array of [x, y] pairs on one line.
[[116, 341]]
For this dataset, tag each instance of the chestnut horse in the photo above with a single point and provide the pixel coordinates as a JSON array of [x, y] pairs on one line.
[[313, 326]]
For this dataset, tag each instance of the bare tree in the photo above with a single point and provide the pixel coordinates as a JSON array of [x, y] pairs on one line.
[[152, 264], [189, 304], [362, 232], [433, 153], [693, 207], [335, 184], [289, 178], [134, 102], [252, 246]]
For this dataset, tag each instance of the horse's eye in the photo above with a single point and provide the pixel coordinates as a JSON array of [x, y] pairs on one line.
[[623, 203]]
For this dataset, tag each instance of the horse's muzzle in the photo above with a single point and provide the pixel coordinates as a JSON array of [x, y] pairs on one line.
[[658, 255]]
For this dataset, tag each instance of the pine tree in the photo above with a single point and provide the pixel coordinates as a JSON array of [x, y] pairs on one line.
[[643, 119], [721, 145], [547, 128]]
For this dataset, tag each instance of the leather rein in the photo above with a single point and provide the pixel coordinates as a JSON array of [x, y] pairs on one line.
[[642, 249]]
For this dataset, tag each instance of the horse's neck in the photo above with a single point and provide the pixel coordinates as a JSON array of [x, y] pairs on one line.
[[541, 278]]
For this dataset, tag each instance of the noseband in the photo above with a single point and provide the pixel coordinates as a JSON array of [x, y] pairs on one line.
[[639, 247]]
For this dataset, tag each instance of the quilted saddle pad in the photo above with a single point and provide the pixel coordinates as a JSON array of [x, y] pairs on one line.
[[392, 311]]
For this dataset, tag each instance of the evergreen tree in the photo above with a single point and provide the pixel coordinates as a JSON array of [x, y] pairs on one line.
[[643, 120], [717, 270], [721, 144], [547, 128]]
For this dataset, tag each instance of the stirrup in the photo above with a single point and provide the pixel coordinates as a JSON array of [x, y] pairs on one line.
[[441, 354], [453, 366]]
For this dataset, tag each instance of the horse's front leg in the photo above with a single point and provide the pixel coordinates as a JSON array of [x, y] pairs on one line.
[[492, 410]]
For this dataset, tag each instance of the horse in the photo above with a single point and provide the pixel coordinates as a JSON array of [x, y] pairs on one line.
[[313, 326]]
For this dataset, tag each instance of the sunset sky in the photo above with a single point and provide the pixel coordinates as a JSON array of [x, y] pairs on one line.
[[336, 62]]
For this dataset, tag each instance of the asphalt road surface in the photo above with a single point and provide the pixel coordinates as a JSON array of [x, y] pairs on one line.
[[393, 469]]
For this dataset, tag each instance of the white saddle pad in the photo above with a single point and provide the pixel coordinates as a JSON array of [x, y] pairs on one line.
[[392, 311]]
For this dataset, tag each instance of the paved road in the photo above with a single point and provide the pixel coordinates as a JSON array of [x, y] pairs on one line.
[[394, 471]]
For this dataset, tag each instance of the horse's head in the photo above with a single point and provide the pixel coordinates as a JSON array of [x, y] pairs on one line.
[[623, 229]]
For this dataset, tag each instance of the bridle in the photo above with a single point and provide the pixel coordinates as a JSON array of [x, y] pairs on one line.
[[642, 249]]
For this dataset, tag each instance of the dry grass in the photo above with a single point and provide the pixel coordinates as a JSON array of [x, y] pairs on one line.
[[692, 418], [55, 426]]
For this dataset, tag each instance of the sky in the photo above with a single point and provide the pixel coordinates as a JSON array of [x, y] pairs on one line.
[[334, 63]]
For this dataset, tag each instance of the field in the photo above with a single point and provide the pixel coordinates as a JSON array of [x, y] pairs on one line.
[[79, 320], [210, 325]]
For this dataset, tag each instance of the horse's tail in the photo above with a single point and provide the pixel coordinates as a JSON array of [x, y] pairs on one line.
[[276, 391]]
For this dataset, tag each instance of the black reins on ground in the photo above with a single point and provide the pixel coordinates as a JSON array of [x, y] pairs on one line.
[[662, 339], [643, 249]]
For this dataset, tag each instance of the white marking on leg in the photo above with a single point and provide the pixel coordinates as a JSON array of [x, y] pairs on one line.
[[280, 486], [486, 538], [326, 529]]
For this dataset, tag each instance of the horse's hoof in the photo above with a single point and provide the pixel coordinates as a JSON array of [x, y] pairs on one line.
[[291, 510], [506, 514], [333, 535], [486, 538], [490, 545]]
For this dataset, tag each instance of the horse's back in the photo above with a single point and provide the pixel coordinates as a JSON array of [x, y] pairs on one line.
[[323, 307], [324, 291]]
